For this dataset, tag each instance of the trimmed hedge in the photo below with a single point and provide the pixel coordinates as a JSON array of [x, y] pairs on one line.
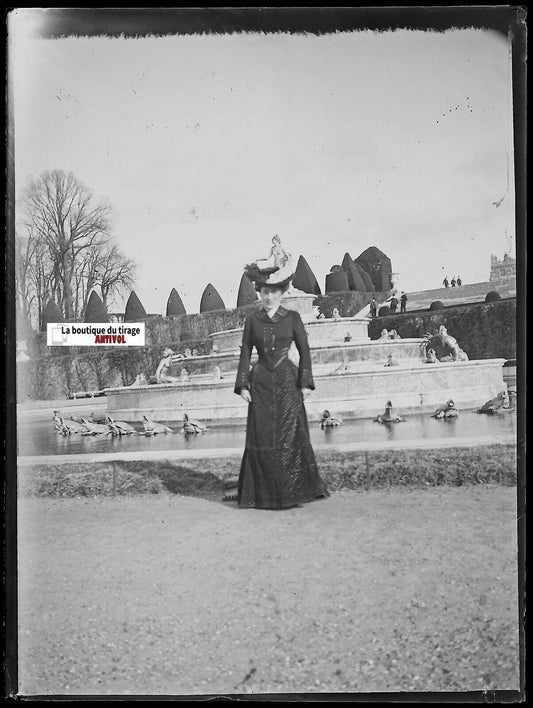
[[355, 281], [337, 282], [348, 303], [483, 330], [493, 296], [304, 278], [52, 314], [134, 311], [211, 300], [436, 305], [95, 310], [175, 306], [247, 294]]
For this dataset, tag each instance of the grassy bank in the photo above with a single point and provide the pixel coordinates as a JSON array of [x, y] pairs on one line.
[[208, 478]]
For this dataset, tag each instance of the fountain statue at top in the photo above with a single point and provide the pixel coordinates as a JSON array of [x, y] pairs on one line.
[[279, 265], [277, 260]]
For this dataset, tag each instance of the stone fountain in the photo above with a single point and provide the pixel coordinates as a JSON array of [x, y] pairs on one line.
[[353, 375]]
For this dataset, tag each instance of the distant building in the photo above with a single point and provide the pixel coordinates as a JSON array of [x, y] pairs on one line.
[[502, 268]]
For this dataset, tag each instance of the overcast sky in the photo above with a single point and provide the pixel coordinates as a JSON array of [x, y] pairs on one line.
[[206, 146]]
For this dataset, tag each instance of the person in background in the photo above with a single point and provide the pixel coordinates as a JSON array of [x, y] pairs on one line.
[[459, 281], [445, 282], [373, 308], [403, 302], [393, 304], [453, 282]]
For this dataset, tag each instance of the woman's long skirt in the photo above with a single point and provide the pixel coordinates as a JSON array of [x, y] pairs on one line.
[[278, 468]]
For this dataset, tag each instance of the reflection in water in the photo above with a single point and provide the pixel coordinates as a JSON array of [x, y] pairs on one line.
[[38, 437], [389, 430]]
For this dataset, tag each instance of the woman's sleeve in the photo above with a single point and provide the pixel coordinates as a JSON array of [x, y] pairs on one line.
[[305, 375], [243, 372]]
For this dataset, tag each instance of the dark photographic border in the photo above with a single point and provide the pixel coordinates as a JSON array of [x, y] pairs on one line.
[[130, 22]]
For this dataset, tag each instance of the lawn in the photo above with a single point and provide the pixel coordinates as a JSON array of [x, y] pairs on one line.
[[385, 590], [209, 477]]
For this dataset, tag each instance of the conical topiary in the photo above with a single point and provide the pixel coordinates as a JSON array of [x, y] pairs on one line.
[[337, 282], [367, 280], [95, 310], [175, 306], [211, 300], [134, 309], [377, 265], [247, 294], [355, 281], [304, 278], [51, 313]]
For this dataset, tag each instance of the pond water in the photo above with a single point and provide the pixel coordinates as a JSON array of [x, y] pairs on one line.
[[37, 436]]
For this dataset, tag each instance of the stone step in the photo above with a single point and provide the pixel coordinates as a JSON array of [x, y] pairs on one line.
[[370, 353]]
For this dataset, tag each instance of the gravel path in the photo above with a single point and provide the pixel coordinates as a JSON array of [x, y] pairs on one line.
[[376, 591]]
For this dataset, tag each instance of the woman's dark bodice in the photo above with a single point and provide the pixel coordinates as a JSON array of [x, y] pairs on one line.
[[272, 338]]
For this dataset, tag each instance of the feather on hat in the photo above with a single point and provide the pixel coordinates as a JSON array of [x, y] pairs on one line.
[[273, 276]]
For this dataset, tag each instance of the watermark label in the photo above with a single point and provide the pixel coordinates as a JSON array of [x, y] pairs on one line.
[[85, 334]]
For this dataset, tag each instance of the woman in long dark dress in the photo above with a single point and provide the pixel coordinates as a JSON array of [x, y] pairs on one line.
[[278, 469]]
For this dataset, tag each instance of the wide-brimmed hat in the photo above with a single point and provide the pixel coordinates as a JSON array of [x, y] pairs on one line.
[[272, 277]]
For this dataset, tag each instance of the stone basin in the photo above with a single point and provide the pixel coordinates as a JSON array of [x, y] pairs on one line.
[[354, 394], [350, 375], [331, 354], [318, 331]]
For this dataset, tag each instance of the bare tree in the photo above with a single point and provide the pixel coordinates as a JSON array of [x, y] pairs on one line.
[[116, 273], [64, 248], [33, 277], [24, 285], [66, 217], [85, 274], [105, 268]]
